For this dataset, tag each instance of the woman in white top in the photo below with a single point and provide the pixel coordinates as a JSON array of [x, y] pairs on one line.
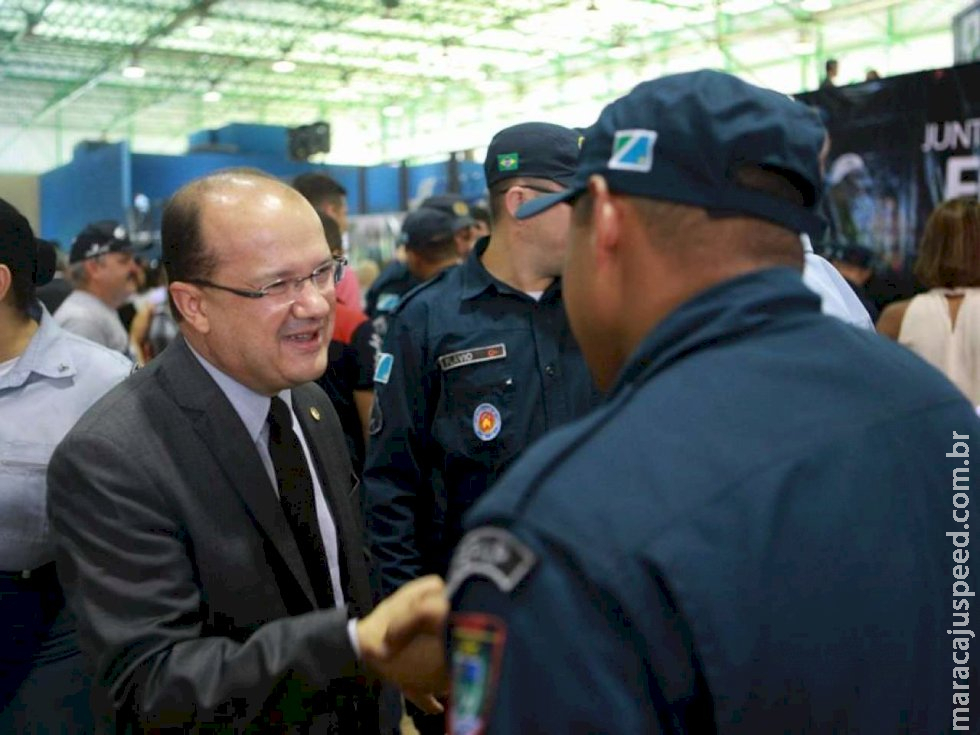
[[943, 324]]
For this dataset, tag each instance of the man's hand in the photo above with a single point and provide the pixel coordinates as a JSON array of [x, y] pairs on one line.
[[403, 639]]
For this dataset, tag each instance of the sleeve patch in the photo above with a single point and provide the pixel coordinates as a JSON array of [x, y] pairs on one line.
[[494, 554], [382, 369], [477, 649], [388, 302]]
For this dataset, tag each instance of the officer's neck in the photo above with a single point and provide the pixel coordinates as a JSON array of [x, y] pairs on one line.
[[16, 331], [512, 264]]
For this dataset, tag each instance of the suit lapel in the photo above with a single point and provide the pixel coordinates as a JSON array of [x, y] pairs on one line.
[[329, 450], [224, 435]]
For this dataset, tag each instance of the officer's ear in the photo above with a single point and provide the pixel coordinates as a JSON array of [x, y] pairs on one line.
[[605, 218], [6, 280], [193, 305], [413, 262], [514, 197]]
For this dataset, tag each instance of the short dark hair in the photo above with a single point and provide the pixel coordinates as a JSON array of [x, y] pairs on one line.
[[185, 255], [830, 64], [18, 251], [772, 244], [437, 250], [949, 252], [331, 230], [318, 188]]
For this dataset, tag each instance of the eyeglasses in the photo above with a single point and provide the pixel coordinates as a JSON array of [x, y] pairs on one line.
[[322, 278]]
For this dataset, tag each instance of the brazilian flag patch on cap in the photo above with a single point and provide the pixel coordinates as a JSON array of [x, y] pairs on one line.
[[508, 161]]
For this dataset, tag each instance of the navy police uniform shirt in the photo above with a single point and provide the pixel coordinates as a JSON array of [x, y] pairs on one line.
[[749, 536], [388, 288], [471, 372]]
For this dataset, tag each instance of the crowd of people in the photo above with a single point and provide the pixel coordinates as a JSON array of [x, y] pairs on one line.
[[632, 459]]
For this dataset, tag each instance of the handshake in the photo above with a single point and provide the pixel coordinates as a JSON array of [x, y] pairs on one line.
[[404, 641]]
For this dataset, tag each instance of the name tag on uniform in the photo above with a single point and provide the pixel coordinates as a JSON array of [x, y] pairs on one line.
[[472, 356]]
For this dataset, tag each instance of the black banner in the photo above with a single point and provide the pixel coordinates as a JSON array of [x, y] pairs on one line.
[[898, 147]]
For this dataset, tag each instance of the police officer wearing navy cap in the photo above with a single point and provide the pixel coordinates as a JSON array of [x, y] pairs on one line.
[[478, 362], [428, 235], [464, 223], [397, 278], [105, 274], [758, 531]]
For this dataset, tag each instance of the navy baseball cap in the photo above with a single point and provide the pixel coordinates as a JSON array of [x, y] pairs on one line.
[[533, 149], [681, 138], [99, 238], [426, 226], [453, 205]]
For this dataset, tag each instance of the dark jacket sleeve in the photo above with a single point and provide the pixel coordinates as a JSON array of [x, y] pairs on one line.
[[363, 356], [129, 572], [396, 469]]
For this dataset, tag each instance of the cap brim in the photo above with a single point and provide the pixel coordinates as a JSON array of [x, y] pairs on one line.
[[540, 204], [460, 222]]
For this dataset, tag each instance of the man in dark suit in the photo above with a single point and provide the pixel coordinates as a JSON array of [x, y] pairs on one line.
[[218, 585]]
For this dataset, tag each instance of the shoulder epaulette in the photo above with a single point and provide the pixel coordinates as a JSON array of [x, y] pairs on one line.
[[409, 295]]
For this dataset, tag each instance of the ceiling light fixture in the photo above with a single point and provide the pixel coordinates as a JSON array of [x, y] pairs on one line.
[[213, 94], [284, 66], [803, 45], [200, 31], [816, 6], [133, 70], [620, 51]]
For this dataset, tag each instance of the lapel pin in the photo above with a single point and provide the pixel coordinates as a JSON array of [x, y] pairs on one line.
[[315, 413]]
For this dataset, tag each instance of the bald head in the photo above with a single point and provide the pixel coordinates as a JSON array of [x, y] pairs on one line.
[[186, 252]]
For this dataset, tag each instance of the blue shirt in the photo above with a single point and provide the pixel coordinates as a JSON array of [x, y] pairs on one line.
[[50, 386], [748, 537], [472, 371]]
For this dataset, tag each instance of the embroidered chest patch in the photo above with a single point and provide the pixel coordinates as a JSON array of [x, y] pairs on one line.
[[486, 422], [472, 356]]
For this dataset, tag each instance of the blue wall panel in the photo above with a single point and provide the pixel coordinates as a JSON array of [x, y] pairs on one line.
[[472, 182], [426, 180], [158, 177], [93, 186], [100, 183], [382, 189], [246, 138]]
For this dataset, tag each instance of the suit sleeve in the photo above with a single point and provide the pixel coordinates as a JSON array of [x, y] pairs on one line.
[[130, 577], [396, 469]]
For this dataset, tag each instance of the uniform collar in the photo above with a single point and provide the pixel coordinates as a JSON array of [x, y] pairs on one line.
[[476, 279], [723, 313], [46, 355]]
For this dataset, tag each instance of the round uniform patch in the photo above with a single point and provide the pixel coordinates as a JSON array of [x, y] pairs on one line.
[[486, 421]]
